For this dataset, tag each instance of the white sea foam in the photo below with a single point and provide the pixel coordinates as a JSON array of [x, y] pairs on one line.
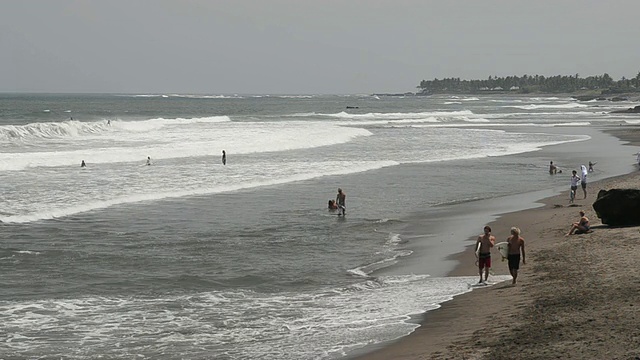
[[298, 325], [548, 106], [167, 139]]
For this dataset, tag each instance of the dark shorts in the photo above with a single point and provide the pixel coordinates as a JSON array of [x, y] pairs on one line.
[[584, 230], [574, 188], [584, 185], [484, 260], [514, 261]]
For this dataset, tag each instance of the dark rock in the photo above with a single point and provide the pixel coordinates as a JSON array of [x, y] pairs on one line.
[[618, 207], [634, 110]]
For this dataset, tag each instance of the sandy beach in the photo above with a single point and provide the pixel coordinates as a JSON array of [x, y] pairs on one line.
[[576, 297]]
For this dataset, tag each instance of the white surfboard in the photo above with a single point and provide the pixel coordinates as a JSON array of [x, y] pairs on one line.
[[503, 248], [478, 251]]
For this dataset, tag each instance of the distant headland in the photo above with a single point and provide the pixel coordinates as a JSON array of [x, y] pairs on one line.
[[589, 88]]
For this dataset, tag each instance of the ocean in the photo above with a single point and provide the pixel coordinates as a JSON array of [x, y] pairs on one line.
[[191, 259]]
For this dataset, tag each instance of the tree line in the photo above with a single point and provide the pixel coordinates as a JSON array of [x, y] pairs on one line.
[[533, 83]]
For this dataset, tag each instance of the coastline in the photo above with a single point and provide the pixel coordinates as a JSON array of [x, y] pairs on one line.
[[544, 302]]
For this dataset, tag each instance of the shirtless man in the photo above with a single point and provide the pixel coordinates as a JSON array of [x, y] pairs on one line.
[[486, 242], [552, 168], [341, 200], [515, 244]]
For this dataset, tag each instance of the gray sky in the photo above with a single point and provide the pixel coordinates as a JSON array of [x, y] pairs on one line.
[[305, 46]]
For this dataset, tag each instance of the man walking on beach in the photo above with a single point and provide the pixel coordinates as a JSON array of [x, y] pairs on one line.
[[486, 242], [515, 245], [574, 185]]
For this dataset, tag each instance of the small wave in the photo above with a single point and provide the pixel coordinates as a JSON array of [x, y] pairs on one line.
[[547, 106], [70, 128]]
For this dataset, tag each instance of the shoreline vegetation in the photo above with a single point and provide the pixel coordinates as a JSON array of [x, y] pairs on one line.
[[596, 87]]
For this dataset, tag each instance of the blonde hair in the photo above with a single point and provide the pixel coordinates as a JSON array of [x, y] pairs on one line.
[[515, 231]]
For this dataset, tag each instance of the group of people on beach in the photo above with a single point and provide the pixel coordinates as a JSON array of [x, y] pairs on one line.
[[515, 252], [575, 179]]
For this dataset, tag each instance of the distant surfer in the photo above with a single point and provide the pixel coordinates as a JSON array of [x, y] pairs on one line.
[[108, 121], [224, 158], [148, 160], [486, 242], [341, 200], [515, 243], [82, 164], [591, 166], [580, 227], [583, 180], [552, 168]]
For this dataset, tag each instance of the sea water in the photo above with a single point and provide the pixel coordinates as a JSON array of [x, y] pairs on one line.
[[190, 258]]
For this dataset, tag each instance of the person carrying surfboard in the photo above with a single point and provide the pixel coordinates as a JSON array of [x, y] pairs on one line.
[[515, 244], [485, 242]]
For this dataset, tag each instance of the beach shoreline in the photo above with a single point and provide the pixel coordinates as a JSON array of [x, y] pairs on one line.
[[456, 330]]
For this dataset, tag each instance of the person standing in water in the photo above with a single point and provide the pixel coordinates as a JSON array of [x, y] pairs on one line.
[[148, 160], [515, 245], [552, 168], [82, 164], [224, 158], [341, 200], [486, 242]]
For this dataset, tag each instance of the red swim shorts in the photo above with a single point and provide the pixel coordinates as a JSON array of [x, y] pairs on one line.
[[484, 262]]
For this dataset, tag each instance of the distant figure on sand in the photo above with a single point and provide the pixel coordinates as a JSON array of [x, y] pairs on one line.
[[552, 168], [486, 242], [82, 164], [332, 205], [224, 158], [516, 246], [574, 185], [148, 160], [583, 180], [341, 200], [580, 227]]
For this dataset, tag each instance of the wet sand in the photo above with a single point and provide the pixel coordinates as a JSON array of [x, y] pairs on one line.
[[576, 297]]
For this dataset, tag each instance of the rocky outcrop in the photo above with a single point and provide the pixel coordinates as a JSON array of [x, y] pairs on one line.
[[618, 207], [634, 110]]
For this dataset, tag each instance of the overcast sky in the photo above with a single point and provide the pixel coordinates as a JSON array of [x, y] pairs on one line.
[[305, 46]]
